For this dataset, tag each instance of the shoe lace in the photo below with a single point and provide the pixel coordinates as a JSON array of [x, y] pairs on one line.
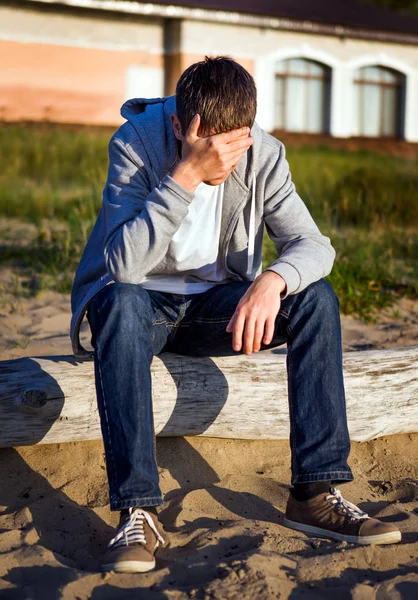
[[348, 508], [133, 532]]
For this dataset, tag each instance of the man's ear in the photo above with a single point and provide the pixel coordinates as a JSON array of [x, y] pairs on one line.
[[176, 127]]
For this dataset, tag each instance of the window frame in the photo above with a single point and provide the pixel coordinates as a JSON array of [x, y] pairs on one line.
[[360, 84], [325, 77]]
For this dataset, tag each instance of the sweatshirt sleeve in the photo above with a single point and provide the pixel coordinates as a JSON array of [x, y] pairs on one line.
[[140, 221], [305, 255]]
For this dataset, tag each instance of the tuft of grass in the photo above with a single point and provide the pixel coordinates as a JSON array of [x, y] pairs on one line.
[[345, 189], [47, 173], [48, 259]]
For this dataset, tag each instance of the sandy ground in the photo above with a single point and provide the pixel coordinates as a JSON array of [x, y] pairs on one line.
[[224, 502]]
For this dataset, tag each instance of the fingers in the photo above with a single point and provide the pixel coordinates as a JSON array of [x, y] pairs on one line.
[[269, 331], [231, 136], [222, 138], [239, 144], [193, 128], [230, 325], [233, 160], [237, 332], [249, 335], [258, 335], [229, 165], [254, 321]]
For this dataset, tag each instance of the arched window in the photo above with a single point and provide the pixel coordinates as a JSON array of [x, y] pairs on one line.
[[378, 102], [302, 95]]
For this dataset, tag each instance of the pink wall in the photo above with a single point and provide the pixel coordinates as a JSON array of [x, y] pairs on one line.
[[65, 84]]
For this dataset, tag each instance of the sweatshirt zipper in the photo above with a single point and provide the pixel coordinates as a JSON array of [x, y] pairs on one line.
[[251, 231], [251, 234]]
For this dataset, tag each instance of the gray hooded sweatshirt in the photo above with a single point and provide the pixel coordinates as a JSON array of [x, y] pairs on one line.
[[143, 207]]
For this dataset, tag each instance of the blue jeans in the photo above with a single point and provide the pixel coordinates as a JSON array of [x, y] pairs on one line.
[[130, 325]]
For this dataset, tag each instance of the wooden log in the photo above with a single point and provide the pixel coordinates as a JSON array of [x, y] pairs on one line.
[[53, 399]]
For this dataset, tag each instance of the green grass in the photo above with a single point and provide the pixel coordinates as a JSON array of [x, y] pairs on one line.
[[367, 203], [49, 173], [372, 268], [362, 189]]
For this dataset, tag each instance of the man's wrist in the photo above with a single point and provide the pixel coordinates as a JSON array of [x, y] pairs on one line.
[[278, 278], [186, 175]]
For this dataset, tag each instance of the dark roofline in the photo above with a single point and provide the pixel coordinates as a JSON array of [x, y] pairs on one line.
[[355, 14], [165, 9]]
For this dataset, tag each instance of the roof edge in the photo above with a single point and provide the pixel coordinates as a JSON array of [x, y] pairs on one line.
[[234, 18]]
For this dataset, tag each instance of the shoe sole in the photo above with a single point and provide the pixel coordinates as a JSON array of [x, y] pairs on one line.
[[129, 566], [392, 537]]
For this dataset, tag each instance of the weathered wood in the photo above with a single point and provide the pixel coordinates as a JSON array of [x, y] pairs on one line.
[[52, 399]]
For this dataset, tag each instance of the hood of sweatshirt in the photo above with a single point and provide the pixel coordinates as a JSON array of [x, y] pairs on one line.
[[150, 117]]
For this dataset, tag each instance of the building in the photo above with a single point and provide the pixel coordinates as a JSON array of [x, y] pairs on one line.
[[341, 68]]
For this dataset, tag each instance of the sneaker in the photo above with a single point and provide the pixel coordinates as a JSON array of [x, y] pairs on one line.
[[133, 547], [330, 515]]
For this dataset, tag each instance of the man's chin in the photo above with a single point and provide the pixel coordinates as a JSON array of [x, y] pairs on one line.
[[216, 181]]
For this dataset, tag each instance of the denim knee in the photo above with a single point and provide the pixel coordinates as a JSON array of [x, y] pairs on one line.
[[316, 303], [322, 293], [121, 295], [123, 303]]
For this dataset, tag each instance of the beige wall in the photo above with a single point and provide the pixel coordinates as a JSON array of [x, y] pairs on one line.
[[113, 33], [256, 42]]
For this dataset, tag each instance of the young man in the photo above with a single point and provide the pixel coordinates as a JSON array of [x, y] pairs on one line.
[[174, 264]]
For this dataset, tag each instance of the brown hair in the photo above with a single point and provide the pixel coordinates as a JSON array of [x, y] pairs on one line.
[[221, 91]]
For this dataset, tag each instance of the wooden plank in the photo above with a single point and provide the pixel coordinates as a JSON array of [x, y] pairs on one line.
[[53, 399]]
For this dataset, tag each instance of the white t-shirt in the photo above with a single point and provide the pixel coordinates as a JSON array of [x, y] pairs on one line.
[[194, 248]]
